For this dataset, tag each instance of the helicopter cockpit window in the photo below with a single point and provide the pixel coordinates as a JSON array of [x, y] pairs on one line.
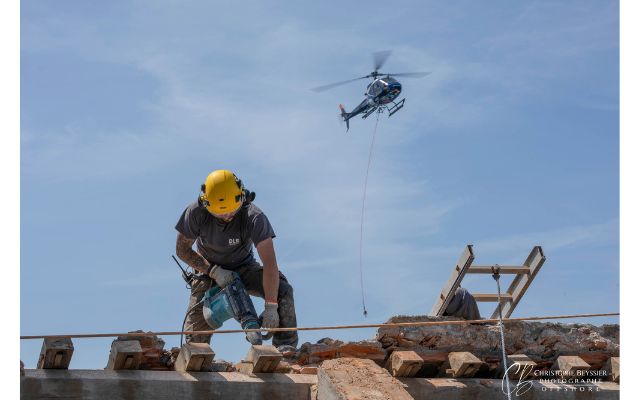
[[376, 88]]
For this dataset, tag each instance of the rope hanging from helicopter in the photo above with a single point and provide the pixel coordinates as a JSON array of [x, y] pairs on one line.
[[364, 197], [381, 92]]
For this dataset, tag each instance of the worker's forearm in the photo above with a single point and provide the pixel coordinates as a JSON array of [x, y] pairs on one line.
[[270, 283], [188, 255], [194, 260]]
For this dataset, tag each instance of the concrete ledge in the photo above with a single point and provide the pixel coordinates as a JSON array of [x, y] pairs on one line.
[[162, 385], [166, 385], [481, 389]]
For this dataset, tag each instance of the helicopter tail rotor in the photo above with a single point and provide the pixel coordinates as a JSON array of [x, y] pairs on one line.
[[344, 115]]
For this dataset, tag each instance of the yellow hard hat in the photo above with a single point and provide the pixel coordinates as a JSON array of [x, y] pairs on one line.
[[222, 192]]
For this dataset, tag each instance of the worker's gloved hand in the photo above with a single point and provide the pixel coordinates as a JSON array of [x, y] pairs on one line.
[[221, 276], [270, 318]]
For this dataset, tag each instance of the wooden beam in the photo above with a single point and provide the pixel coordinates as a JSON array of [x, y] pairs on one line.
[[125, 354], [487, 297], [404, 364], [521, 282], [466, 258], [570, 365], [55, 353], [264, 358], [520, 366], [487, 269], [194, 357], [463, 364]]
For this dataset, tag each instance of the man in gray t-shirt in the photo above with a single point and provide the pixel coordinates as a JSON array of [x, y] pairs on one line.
[[225, 225]]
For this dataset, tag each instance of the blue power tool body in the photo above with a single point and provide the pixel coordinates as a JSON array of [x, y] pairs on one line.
[[232, 301]]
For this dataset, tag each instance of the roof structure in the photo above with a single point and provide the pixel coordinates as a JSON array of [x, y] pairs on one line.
[[401, 362]]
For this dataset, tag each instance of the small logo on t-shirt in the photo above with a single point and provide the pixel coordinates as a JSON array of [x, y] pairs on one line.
[[233, 242]]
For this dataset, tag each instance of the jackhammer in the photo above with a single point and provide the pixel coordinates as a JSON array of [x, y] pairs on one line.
[[222, 304], [233, 301]]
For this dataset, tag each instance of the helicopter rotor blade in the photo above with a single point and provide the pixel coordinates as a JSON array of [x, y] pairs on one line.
[[410, 74], [332, 85], [379, 58]]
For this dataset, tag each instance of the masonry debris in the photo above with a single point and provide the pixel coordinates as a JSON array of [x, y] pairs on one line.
[[540, 342], [401, 362]]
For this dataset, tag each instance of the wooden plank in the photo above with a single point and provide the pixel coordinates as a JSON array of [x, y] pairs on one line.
[[487, 297], [264, 358], [466, 258], [464, 364], [55, 353], [519, 366], [125, 354], [404, 363], [521, 282], [487, 269], [570, 365], [194, 357]]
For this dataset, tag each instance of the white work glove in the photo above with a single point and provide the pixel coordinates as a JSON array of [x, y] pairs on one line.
[[221, 276], [270, 318]]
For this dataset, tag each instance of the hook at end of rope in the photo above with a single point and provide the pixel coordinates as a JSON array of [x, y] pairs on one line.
[[496, 272]]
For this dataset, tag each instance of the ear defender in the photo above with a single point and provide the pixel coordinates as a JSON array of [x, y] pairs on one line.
[[246, 196], [242, 197], [202, 201]]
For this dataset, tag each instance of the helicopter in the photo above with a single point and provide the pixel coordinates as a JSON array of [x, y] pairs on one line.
[[380, 93]]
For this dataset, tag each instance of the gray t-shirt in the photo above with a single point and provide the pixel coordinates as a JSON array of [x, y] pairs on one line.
[[228, 245]]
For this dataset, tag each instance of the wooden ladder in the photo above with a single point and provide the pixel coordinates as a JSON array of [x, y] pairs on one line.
[[524, 275]]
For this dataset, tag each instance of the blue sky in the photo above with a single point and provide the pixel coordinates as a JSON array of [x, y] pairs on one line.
[[511, 141]]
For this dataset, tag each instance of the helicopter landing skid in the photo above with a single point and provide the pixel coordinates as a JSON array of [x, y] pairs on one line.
[[396, 107], [371, 111]]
